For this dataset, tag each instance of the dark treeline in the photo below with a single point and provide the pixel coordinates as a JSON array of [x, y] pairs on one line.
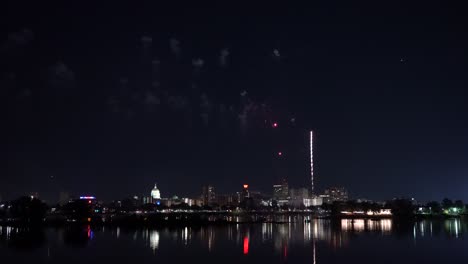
[[25, 210]]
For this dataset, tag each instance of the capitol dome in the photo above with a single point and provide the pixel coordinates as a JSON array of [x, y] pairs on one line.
[[155, 194]]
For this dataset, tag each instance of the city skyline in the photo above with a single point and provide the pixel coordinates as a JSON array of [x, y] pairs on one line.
[[105, 102], [190, 132]]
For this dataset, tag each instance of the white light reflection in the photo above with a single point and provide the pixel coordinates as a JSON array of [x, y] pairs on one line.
[[356, 225], [316, 234], [154, 240], [359, 225], [313, 248], [185, 235], [386, 225], [267, 231], [210, 239], [307, 232], [421, 228], [453, 227], [8, 232], [229, 230]]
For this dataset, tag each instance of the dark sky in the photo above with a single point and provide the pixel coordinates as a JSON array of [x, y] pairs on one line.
[[107, 99]]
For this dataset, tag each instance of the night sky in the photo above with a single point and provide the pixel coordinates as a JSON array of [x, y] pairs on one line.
[[107, 99]]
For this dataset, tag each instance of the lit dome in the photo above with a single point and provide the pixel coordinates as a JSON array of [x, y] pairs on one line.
[[155, 194]]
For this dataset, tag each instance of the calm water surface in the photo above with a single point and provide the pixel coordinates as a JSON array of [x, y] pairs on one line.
[[320, 241]]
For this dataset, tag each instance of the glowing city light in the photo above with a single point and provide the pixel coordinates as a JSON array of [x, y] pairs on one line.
[[87, 197], [246, 245], [312, 160], [246, 186], [275, 125], [154, 240], [280, 153]]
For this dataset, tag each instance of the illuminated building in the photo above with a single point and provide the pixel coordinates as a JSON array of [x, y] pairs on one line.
[[146, 199], [155, 193], [335, 194], [136, 201], [189, 201], [314, 201], [245, 193], [281, 191], [208, 195], [173, 201]]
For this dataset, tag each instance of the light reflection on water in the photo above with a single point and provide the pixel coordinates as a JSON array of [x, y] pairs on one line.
[[154, 240], [361, 225], [282, 239]]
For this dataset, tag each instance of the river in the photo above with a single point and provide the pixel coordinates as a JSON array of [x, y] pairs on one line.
[[318, 241]]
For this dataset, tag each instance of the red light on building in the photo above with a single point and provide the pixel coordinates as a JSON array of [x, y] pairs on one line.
[[89, 201], [246, 186], [275, 125]]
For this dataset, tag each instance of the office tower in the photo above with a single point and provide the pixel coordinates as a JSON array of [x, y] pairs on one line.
[[208, 194]]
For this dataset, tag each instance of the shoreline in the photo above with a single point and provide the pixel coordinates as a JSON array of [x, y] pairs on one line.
[[203, 219]]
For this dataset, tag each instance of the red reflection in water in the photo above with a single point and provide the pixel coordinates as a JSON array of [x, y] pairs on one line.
[[285, 251], [90, 232], [246, 245]]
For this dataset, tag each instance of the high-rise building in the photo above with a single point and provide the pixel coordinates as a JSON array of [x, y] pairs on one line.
[[245, 193], [281, 190], [335, 194], [208, 195]]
